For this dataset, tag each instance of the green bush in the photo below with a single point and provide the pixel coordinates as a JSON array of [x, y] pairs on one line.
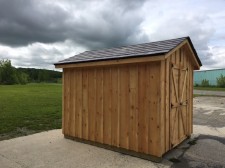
[[221, 81], [8, 74], [205, 83], [196, 85], [22, 78]]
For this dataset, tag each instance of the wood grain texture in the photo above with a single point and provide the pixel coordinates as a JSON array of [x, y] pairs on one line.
[[134, 108], [85, 104], [124, 107], [186, 60], [72, 103], [115, 106], [91, 104], [63, 101], [67, 101], [167, 108], [143, 110], [191, 98], [107, 109], [181, 114], [154, 116], [162, 106], [79, 102], [99, 106]]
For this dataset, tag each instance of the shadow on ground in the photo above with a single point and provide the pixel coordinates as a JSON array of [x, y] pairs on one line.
[[207, 152]]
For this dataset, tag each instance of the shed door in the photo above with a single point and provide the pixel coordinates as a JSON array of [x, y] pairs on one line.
[[178, 104]]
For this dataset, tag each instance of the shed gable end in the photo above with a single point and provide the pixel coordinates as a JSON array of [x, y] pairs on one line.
[[185, 49]]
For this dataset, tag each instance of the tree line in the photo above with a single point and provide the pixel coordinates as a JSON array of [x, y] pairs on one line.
[[220, 82], [10, 75]]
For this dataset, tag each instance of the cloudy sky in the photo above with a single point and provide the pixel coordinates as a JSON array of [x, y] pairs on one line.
[[38, 33]]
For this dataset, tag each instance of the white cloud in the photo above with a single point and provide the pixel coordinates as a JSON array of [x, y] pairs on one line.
[[40, 55], [217, 59], [203, 21]]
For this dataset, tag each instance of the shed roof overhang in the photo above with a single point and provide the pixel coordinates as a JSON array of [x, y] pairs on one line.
[[159, 54], [195, 59], [138, 59]]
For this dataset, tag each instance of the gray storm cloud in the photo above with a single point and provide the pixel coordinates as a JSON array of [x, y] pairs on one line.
[[111, 24], [39, 33]]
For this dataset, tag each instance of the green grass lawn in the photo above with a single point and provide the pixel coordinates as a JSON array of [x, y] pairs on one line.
[[210, 88], [27, 109]]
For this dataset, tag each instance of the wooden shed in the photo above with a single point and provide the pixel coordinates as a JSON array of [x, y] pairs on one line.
[[135, 99]]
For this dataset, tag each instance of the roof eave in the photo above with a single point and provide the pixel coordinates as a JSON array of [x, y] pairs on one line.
[[109, 59], [132, 60], [194, 51]]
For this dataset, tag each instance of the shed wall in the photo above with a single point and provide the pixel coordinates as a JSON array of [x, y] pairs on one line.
[[115, 105], [180, 57]]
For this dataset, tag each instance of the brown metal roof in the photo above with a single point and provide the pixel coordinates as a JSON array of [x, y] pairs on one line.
[[139, 50]]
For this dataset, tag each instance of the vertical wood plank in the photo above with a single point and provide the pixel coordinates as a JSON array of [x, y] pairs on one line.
[[180, 128], [185, 97], [75, 101], [188, 95], [173, 58], [191, 99], [174, 111], [172, 115], [143, 111], [182, 96], [115, 106], [133, 94], [124, 107], [181, 56], [154, 80], [107, 92], [177, 56], [162, 106], [85, 104], [99, 106], [190, 112], [167, 121], [91, 104], [72, 102], [79, 102], [67, 101], [187, 90], [63, 101]]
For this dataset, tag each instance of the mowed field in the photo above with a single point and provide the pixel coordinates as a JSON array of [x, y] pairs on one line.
[[27, 109]]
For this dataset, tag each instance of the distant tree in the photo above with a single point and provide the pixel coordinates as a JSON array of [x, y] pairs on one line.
[[221, 81], [196, 85], [8, 74], [22, 77], [12, 75], [41, 75], [205, 83]]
